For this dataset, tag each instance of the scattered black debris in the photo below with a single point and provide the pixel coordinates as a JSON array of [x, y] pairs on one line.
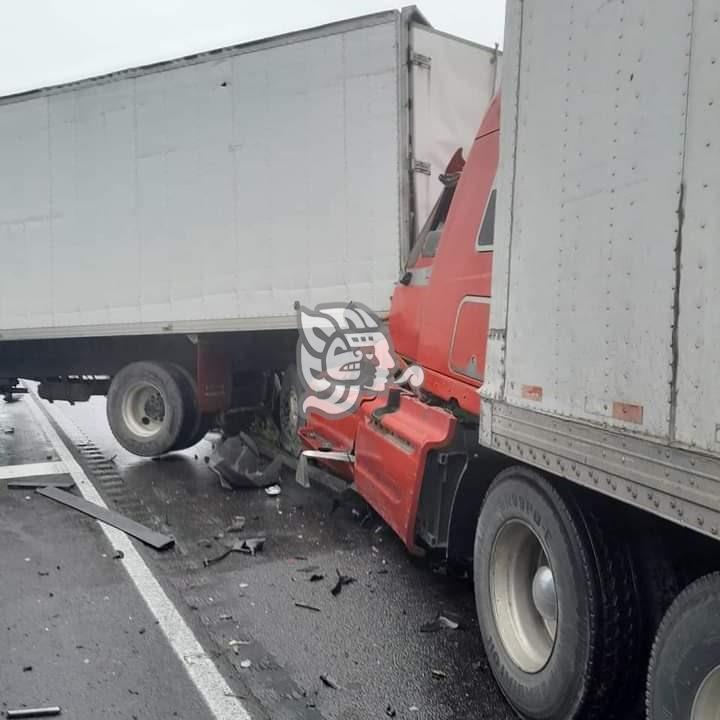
[[27, 668], [381, 571], [141, 631], [130, 527], [9, 431], [43, 573], [34, 712], [390, 711], [207, 562], [316, 577], [307, 607], [341, 582], [118, 555], [329, 682], [441, 622], [439, 674]]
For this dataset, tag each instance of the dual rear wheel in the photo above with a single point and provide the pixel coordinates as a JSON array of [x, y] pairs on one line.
[[568, 610], [152, 409]]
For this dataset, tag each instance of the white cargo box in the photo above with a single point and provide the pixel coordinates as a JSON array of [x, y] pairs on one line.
[[604, 349], [214, 191]]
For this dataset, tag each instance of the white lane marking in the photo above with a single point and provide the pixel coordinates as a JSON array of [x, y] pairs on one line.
[[201, 669], [12, 472]]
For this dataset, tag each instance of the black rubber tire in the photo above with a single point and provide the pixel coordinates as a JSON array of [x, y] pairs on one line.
[[170, 387], [686, 650], [589, 673], [290, 423], [192, 415]]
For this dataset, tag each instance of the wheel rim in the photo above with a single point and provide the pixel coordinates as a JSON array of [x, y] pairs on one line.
[[143, 410], [707, 700], [524, 596]]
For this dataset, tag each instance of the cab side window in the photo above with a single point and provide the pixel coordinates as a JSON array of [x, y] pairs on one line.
[[486, 234]]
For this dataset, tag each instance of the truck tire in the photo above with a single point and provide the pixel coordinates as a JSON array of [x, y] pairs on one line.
[[684, 675], [291, 419], [146, 408], [196, 423], [556, 601]]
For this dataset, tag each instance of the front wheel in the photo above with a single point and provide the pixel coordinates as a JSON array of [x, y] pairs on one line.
[[556, 602], [291, 419], [146, 408], [684, 675]]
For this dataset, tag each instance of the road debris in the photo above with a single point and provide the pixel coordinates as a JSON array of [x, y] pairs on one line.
[[118, 555], [441, 622], [341, 582], [273, 490], [329, 682], [236, 461], [250, 545], [27, 668], [245, 664], [9, 431], [238, 525], [247, 546], [439, 674], [390, 711], [34, 712], [305, 606], [62, 481], [130, 527], [316, 577]]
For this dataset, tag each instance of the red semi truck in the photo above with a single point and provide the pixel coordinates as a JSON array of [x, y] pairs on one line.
[[562, 303]]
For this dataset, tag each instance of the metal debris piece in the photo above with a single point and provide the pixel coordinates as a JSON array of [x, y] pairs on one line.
[[207, 562], [62, 480], [307, 607], [390, 711], [250, 545], [316, 577], [130, 527], [245, 664], [441, 622], [439, 674], [34, 712], [341, 582], [329, 682], [273, 490]]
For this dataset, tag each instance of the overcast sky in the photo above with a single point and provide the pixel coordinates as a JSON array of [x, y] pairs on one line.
[[44, 42]]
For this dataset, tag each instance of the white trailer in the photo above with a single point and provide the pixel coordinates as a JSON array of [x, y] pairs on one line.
[[603, 364], [176, 213]]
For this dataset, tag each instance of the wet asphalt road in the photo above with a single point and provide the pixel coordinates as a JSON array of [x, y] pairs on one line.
[[366, 641]]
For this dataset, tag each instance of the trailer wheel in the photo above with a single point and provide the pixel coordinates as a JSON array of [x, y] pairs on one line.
[[556, 602], [684, 675], [291, 419], [146, 408]]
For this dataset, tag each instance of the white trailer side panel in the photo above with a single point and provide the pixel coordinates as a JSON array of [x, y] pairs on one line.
[[698, 377], [595, 171], [208, 194], [452, 83]]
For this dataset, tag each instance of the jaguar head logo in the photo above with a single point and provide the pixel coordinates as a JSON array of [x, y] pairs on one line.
[[344, 355]]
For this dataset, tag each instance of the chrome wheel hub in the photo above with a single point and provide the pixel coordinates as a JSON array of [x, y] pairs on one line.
[[524, 596]]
